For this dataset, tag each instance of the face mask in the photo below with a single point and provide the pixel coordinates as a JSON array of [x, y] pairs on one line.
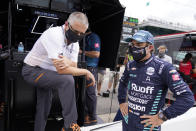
[[138, 53], [72, 37], [161, 55]]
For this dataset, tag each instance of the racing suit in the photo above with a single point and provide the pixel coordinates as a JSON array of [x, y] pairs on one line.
[[147, 84]]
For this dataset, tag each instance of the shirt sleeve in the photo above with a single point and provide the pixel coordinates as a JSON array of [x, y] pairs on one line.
[[170, 60], [50, 43], [122, 90], [95, 43], [182, 93]]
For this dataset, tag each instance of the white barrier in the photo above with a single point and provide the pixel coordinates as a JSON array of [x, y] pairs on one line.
[[185, 122]]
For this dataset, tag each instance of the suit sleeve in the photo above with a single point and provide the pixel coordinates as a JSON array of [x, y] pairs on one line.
[[122, 90], [182, 93]]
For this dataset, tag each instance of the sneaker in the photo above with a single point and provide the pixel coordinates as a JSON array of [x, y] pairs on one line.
[[73, 127], [89, 122], [93, 122], [108, 91]]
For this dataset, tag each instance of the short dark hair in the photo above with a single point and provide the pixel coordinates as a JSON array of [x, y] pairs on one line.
[[187, 57]]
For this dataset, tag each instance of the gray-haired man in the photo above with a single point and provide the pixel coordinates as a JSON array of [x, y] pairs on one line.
[[51, 64]]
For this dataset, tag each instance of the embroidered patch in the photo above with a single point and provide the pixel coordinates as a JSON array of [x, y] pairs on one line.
[[96, 45], [175, 77]]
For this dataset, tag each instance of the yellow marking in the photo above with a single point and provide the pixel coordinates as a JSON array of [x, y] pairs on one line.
[[36, 80]]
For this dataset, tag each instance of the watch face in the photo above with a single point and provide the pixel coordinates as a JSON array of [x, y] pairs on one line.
[[162, 117]]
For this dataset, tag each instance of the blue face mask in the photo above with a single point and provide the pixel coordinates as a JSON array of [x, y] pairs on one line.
[[138, 53]]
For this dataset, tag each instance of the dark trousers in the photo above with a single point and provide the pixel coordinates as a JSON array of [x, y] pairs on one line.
[[124, 125], [91, 98], [118, 116], [45, 81]]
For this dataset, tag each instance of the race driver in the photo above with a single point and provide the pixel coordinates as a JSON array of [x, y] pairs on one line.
[[147, 79]]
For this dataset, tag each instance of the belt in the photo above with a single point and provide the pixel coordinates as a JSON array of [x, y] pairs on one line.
[[24, 64]]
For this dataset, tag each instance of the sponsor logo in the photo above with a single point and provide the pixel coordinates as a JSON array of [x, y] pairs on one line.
[[150, 71], [147, 78], [175, 77], [184, 64], [172, 71], [133, 69], [132, 75], [178, 86], [147, 90], [133, 112], [138, 100], [180, 92], [180, 82], [136, 107], [142, 96], [161, 69]]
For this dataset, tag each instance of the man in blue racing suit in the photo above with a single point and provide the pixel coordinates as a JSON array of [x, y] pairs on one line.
[[147, 80]]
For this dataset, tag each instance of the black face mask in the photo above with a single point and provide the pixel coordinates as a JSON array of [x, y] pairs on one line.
[[161, 55], [72, 37], [138, 53]]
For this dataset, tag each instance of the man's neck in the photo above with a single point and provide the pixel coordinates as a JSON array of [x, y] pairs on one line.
[[146, 57]]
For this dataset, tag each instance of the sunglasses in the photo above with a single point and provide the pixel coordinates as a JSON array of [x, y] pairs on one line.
[[75, 31]]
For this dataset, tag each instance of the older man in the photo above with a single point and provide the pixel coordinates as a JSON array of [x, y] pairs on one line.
[[162, 54], [51, 64]]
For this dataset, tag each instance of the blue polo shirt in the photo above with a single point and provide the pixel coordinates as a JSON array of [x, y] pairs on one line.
[[93, 43]]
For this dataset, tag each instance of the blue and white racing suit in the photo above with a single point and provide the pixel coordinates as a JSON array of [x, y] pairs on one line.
[[147, 84]]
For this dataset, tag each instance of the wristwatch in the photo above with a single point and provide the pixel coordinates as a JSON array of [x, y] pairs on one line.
[[162, 116]]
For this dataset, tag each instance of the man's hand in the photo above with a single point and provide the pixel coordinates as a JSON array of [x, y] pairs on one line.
[[80, 52], [124, 108], [151, 120], [60, 64], [89, 76], [67, 61]]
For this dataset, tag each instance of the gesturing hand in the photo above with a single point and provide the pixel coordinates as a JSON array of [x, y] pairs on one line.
[[151, 120]]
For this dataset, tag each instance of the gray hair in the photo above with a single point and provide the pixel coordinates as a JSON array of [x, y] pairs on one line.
[[162, 46], [79, 17]]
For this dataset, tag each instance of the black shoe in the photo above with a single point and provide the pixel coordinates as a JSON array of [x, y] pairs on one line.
[[73, 127], [99, 94], [108, 91]]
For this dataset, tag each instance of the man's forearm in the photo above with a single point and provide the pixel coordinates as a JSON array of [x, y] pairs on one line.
[[73, 71], [93, 54]]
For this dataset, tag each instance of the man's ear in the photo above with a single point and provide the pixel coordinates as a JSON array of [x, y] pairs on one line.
[[66, 23], [151, 47]]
